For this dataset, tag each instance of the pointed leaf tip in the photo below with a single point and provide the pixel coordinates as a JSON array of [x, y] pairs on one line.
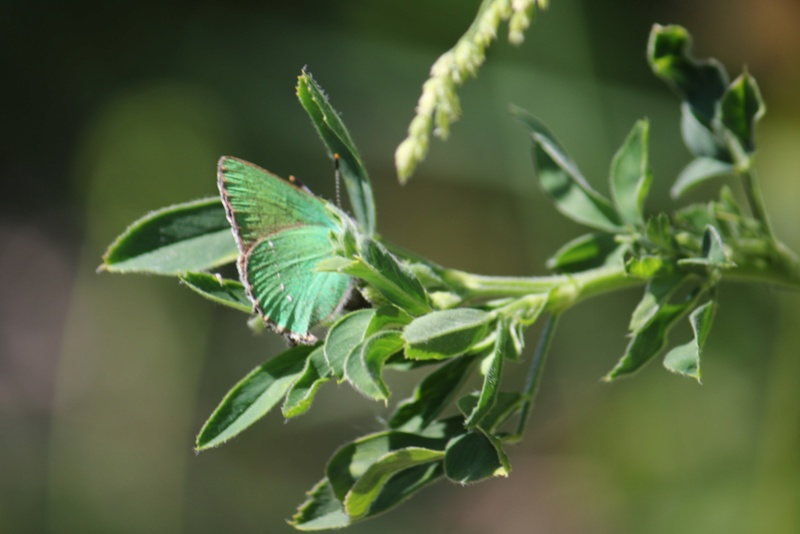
[[740, 110], [192, 236], [337, 140], [562, 181], [254, 396], [698, 171]]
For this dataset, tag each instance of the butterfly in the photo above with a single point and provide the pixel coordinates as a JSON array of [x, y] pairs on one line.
[[283, 231]]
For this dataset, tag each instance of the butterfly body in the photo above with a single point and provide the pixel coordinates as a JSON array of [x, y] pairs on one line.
[[283, 232]]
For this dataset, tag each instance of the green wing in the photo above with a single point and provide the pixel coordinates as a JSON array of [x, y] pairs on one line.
[[283, 281], [259, 203], [282, 232]]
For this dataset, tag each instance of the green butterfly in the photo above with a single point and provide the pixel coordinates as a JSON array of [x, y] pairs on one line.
[[283, 232]]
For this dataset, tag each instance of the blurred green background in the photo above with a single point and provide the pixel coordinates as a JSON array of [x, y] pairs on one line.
[[111, 109]]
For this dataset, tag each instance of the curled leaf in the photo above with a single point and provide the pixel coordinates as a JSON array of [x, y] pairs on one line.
[[226, 292], [685, 359]]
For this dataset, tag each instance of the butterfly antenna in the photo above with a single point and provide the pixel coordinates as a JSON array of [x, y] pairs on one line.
[[336, 174]]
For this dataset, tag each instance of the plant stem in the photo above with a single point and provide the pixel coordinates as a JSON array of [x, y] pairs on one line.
[[565, 289], [586, 284], [777, 266], [782, 271], [477, 286], [535, 375]]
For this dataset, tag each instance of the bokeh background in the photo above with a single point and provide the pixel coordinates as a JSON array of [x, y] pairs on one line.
[[113, 109]]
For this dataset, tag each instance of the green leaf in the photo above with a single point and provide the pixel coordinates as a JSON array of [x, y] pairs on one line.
[[741, 109], [516, 339], [423, 271], [563, 182], [728, 203], [301, 394], [444, 300], [659, 231], [631, 175], [353, 460], [713, 253], [321, 511], [656, 294], [193, 236], [703, 140], [380, 269], [364, 367], [345, 334], [698, 171], [445, 334], [398, 362], [586, 251], [474, 456], [365, 491], [644, 267], [714, 249], [333, 265], [685, 359], [431, 395], [540, 129], [374, 297], [505, 406], [253, 397], [650, 340], [700, 83], [337, 140], [573, 196], [492, 376], [444, 429], [391, 318], [388, 317], [695, 217], [405, 484], [222, 291]]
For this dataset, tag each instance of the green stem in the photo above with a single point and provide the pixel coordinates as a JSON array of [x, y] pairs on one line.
[[535, 376], [477, 286], [787, 277], [565, 290], [591, 283], [778, 267]]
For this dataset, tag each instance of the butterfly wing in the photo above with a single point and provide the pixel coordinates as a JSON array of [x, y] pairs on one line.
[[282, 232], [259, 203], [284, 283]]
